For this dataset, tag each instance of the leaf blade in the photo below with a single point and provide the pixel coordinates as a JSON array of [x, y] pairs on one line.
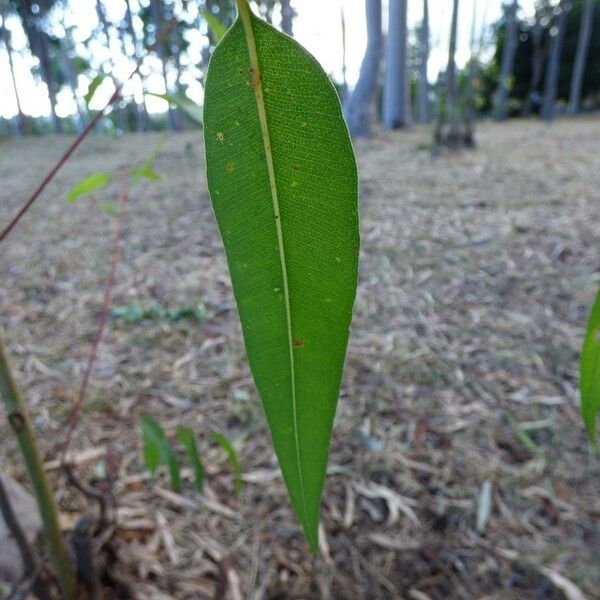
[[187, 439], [88, 184], [295, 341], [590, 373]]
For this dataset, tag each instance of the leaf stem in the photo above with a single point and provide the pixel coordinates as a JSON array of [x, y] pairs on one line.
[[20, 423]]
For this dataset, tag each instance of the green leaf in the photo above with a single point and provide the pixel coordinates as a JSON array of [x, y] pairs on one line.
[[189, 107], [157, 450], [94, 85], [187, 439], [282, 177], [146, 171], [91, 183], [590, 373], [152, 438], [214, 24], [233, 459], [112, 208]]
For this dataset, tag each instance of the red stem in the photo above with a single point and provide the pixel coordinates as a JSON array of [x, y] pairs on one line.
[[115, 256]]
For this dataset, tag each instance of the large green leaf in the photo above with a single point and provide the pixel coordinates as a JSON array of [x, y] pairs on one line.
[[590, 372], [283, 182]]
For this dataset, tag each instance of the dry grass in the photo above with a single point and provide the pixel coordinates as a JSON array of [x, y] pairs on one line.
[[477, 271]]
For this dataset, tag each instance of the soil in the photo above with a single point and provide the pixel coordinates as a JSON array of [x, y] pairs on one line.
[[459, 466]]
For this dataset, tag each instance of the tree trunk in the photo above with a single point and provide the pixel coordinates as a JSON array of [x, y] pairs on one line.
[[5, 37], [508, 60], [143, 120], [38, 45], [471, 109], [537, 65], [155, 7], [67, 68], [583, 44], [359, 108], [396, 90], [452, 97], [553, 68], [119, 115], [423, 104], [287, 17]]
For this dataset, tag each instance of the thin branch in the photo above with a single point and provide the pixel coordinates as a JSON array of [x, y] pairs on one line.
[[65, 157], [115, 256]]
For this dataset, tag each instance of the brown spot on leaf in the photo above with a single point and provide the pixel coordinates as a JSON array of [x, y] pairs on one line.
[[298, 343]]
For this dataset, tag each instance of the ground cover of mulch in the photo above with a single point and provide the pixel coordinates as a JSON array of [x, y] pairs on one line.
[[460, 392]]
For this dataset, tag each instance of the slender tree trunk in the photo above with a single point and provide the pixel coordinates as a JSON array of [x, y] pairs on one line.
[[553, 68], [452, 95], [471, 110], [359, 109], [67, 68], [508, 60], [143, 121], [287, 17], [396, 90], [583, 44], [5, 37], [38, 43], [156, 11], [120, 116], [423, 103], [344, 59], [537, 65]]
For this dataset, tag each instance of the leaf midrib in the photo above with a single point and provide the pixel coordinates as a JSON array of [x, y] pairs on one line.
[[246, 18]]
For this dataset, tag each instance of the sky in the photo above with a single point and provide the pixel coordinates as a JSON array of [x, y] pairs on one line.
[[317, 27]]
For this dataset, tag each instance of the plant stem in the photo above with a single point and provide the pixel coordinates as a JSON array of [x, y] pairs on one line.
[[20, 423]]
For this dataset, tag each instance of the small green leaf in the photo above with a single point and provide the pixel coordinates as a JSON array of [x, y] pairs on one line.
[[94, 85], [214, 24], [172, 463], [111, 208], [91, 183], [233, 458], [157, 450], [152, 437], [283, 183], [145, 171], [189, 107], [590, 373], [187, 439]]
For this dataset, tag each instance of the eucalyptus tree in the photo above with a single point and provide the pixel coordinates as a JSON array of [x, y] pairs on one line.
[[287, 17], [508, 59], [359, 108], [5, 38], [539, 52], [553, 67], [142, 119], [109, 68], [396, 88], [583, 44], [451, 87], [423, 98], [157, 22], [33, 16]]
